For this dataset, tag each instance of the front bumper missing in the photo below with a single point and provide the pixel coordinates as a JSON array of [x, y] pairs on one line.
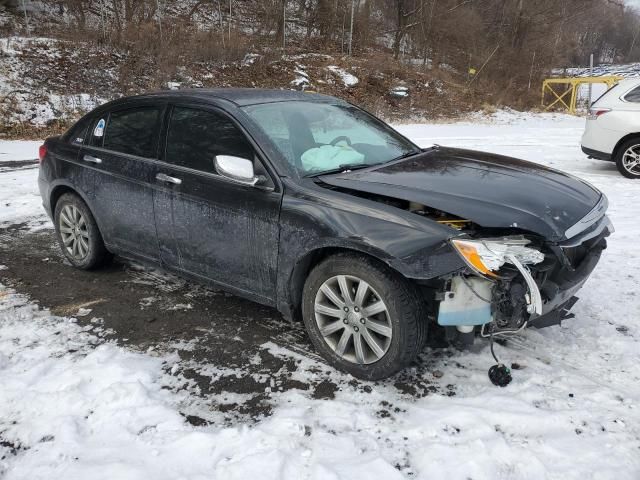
[[469, 301]]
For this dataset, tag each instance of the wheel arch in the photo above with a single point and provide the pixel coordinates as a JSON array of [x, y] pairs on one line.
[[622, 141], [60, 189], [304, 265]]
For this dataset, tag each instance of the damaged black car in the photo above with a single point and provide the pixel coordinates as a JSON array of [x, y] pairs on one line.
[[313, 206]]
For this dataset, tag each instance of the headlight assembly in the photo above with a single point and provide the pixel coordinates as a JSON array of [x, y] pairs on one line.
[[486, 256]]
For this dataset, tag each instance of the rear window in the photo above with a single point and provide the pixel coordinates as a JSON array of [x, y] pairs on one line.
[[133, 131], [633, 95], [604, 94]]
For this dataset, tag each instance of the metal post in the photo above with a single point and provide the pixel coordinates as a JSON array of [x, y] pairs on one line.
[[484, 65], [633, 43], [159, 19], [591, 75], [26, 18], [344, 20], [221, 23], [533, 60], [284, 24], [102, 20], [574, 98], [353, 6]]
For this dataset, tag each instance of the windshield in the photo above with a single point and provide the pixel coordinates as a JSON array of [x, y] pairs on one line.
[[320, 138]]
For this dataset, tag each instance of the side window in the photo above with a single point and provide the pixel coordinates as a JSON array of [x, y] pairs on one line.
[[133, 131], [633, 95], [196, 136], [78, 132]]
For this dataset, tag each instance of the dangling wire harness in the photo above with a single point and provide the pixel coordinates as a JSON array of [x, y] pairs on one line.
[[499, 374]]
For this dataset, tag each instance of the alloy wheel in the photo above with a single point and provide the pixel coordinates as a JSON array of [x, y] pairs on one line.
[[74, 233], [353, 319], [631, 160]]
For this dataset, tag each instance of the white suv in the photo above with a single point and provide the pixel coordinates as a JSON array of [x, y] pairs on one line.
[[613, 127]]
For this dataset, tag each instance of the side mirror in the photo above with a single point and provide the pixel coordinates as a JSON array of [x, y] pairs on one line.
[[238, 169]]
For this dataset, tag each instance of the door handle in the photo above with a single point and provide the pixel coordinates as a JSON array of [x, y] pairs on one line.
[[166, 178], [89, 158]]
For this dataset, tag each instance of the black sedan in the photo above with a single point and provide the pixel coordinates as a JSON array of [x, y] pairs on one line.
[[309, 204]]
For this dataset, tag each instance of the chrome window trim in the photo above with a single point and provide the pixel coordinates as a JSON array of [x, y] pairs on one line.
[[589, 219]]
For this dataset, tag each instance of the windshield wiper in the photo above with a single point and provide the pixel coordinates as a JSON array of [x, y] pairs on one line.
[[405, 155], [357, 166], [342, 169]]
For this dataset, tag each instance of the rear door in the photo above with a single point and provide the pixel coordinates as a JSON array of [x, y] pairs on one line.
[[122, 149], [69, 167], [208, 225]]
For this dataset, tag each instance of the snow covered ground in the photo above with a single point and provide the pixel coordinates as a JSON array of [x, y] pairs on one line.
[[19, 196], [75, 406], [18, 150]]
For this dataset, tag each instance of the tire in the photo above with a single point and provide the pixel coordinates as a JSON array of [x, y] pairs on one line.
[[405, 316], [75, 225], [624, 155]]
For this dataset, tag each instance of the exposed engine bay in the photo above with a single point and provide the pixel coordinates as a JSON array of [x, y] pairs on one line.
[[519, 281], [417, 208], [505, 299]]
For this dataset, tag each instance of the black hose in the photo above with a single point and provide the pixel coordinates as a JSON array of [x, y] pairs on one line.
[[491, 346]]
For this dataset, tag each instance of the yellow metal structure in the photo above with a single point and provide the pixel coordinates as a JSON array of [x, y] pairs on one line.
[[564, 91]]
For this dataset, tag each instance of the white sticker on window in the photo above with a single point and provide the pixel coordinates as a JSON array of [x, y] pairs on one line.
[[99, 130]]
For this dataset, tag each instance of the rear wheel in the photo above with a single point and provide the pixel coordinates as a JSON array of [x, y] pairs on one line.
[[362, 317], [78, 234], [628, 158]]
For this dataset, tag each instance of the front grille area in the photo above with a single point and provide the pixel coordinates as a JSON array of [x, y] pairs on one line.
[[575, 251], [576, 255]]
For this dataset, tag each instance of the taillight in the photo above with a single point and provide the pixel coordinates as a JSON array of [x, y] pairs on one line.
[[596, 112], [42, 152]]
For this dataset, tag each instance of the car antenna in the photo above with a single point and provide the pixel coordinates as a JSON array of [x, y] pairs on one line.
[[499, 374]]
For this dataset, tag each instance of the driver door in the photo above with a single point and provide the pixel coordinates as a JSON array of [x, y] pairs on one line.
[[208, 225]]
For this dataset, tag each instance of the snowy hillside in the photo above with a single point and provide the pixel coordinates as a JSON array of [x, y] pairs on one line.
[[47, 83], [28, 93], [76, 404]]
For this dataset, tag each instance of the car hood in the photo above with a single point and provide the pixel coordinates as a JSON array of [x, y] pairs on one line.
[[491, 190]]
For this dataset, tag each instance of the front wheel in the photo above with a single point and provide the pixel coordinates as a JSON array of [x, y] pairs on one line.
[[628, 158], [362, 317]]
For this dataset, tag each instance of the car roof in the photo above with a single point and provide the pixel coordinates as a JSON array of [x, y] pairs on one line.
[[239, 96], [629, 81], [614, 96]]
